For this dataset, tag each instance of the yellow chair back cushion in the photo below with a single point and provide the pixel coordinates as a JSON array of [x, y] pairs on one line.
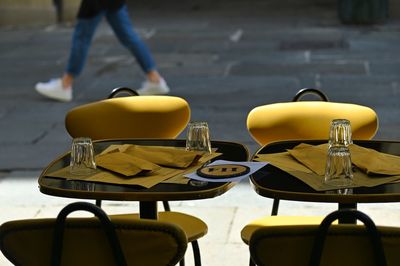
[[129, 117], [308, 120], [345, 245], [29, 242]]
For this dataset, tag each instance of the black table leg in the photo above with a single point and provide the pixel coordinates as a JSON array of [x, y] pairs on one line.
[[275, 207], [148, 210], [351, 220]]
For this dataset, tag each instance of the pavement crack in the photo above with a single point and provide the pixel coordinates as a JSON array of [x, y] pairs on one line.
[[40, 137], [230, 226], [43, 135]]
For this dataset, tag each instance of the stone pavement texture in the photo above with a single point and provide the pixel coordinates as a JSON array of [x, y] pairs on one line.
[[224, 58]]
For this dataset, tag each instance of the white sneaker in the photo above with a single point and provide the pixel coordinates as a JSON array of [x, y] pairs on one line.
[[153, 88], [53, 89]]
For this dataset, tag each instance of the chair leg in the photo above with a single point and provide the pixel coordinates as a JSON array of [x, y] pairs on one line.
[[196, 253], [251, 263], [166, 206], [275, 207]]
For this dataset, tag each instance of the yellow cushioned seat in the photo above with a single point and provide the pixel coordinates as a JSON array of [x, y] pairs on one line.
[[193, 227], [254, 225], [308, 120], [129, 117]]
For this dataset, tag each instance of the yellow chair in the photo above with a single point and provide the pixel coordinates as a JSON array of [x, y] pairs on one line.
[[163, 117], [91, 241], [303, 120], [326, 244]]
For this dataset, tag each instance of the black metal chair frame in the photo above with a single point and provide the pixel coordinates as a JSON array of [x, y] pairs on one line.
[[108, 227], [373, 233]]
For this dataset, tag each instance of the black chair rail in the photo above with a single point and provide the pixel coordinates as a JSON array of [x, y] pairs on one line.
[[106, 224], [306, 91], [373, 233]]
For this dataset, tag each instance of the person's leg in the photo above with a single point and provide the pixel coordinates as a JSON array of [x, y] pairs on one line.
[[122, 26], [81, 40], [61, 89]]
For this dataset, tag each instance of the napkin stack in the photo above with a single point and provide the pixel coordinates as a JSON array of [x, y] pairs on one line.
[[307, 163], [144, 166]]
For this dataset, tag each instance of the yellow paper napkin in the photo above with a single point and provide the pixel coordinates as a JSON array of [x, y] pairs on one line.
[[374, 162], [125, 164], [313, 157], [289, 164], [367, 160], [165, 156]]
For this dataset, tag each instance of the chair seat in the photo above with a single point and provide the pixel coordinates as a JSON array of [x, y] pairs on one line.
[[193, 227], [249, 229]]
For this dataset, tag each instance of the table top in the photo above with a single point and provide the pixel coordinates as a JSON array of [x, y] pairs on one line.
[[160, 192], [274, 183]]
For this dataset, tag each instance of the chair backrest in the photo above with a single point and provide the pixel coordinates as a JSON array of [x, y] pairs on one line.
[[308, 120], [342, 244], [84, 242], [129, 117]]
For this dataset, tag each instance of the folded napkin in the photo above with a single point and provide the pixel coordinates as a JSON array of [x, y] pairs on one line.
[[367, 160], [164, 156], [313, 157], [283, 160], [125, 164], [374, 162]]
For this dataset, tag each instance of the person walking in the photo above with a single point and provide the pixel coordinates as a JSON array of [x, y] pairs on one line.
[[89, 16]]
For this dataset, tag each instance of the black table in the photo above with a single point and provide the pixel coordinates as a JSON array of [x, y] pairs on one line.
[[274, 183], [147, 197]]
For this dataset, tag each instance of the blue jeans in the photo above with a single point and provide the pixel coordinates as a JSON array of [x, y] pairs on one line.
[[121, 24]]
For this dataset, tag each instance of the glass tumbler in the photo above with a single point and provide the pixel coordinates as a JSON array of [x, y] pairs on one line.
[[82, 157], [198, 137], [338, 171], [340, 133]]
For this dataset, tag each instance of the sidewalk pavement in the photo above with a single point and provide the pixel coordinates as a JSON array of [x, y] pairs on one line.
[[224, 59]]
